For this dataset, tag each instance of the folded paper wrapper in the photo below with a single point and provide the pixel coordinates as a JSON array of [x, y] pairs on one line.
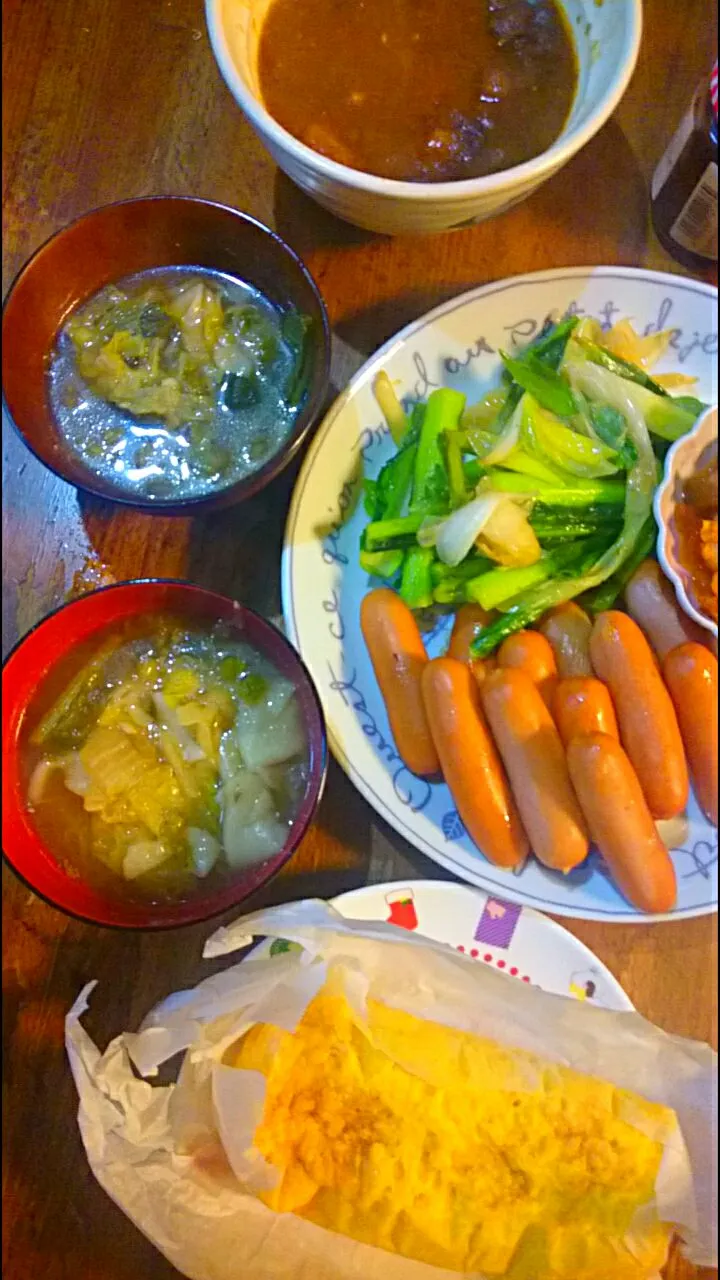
[[179, 1159]]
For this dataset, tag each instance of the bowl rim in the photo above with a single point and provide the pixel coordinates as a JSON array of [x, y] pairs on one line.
[[560, 151], [664, 503], [246, 486], [185, 915]]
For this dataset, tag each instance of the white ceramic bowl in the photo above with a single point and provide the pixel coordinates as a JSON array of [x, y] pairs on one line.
[[607, 37], [680, 462]]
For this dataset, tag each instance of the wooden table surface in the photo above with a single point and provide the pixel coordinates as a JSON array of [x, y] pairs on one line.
[[105, 99]]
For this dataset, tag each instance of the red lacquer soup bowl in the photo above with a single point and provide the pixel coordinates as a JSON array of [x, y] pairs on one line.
[[52, 643]]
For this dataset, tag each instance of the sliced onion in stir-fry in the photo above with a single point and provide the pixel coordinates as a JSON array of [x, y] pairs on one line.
[[508, 537], [494, 522], [508, 441]]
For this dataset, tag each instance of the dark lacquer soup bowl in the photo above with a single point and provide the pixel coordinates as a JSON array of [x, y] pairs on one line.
[[124, 240]]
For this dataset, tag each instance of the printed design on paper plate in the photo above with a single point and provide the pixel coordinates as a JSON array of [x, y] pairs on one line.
[[498, 923], [501, 963], [584, 983], [401, 905]]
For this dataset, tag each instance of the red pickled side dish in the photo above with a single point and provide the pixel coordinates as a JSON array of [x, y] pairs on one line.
[[696, 526]]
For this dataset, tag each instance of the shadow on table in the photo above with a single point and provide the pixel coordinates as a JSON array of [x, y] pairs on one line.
[[307, 226], [597, 225], [367, 329], [235, 552]]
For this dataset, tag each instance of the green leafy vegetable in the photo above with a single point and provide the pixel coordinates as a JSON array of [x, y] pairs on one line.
[[457, 482], [386, 535], [468, 568], [242, 390], [155, 322], [416, 583], [386, 496], [431, 489], [543, 434], [662, 415], [690, 404], [604, 596], [65, 718], [500, 587], [610, 425], [231, 668], [297, 330], [381, 564], [252, 688], [548, 387], [549, 347], [530, 605]]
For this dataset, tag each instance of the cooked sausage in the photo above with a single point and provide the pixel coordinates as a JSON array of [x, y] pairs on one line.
[[534, 758], [470, 762], [398, 656], [651, 602], [469, 620], [530, 652], [649, 729], [691, 675], [620, 822], [568, 628], [583, 705]]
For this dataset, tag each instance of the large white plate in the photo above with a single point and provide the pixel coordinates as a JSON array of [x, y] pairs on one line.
[[517, 940], [322, 583]]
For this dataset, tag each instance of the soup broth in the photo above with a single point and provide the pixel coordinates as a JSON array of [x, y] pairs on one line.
[[177, 382], [417, 92], [163, 754]]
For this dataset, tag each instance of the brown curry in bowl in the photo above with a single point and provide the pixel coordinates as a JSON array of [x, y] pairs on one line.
[[417, 91]]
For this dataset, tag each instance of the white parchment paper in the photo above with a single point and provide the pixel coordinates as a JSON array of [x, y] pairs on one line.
[[172, 1157]]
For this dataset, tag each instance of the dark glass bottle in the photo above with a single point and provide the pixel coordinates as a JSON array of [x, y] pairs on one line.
[[684, 188]]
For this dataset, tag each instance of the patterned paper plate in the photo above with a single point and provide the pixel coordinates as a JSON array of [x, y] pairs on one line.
[[517, 940], [322, 583]]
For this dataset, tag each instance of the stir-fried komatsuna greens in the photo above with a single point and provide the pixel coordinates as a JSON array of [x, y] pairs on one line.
[[541, 492]]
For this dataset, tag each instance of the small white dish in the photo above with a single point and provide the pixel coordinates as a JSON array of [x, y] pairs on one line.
[[607, 40], [680, 463]]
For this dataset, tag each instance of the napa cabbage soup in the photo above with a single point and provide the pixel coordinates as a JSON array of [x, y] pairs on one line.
[[178, 382], [163, 754]]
